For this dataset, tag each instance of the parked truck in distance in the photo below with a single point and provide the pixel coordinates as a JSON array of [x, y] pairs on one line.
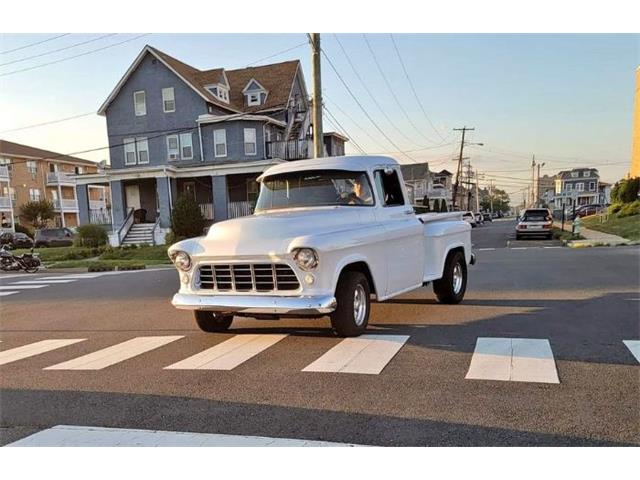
[[327, 236]]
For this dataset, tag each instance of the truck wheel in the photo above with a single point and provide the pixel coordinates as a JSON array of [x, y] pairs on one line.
[[451, 287], [351, 315], [212, 322]]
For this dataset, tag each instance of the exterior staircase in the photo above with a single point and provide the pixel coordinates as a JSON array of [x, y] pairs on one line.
[[139, 234]]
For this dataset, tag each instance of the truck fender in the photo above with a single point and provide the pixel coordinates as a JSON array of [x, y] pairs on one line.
[[351, 259]]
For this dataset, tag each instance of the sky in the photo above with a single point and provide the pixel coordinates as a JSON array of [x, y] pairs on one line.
[[567, 98]]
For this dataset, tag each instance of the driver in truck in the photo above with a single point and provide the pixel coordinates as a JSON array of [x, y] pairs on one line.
[[361, 193]]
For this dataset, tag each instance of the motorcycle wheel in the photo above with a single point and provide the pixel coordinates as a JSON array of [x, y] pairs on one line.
[[33, 269]]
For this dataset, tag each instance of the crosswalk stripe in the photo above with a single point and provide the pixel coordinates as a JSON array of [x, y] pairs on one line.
[[18, 353], [513, 359], [21, 287], [367, 354], [115, 354], [4, 294], [38, 282], [73, 277], [634, 347], [228, 354]]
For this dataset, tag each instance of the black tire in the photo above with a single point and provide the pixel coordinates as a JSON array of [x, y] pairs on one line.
[[343, 319], [445, 288], [212, 322]]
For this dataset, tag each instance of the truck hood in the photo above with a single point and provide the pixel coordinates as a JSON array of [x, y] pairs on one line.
[[272, 233]]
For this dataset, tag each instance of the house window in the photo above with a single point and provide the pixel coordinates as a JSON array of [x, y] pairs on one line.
[[249, 141], [173, 148], [575, 174], [220, 142], [129, 151], [586, 173], [142, 146], [592, 186], [32, 168], [79, 170], [569, 187], [186, 146], [253, 99], [580, 187], [34, 194], [168, 100], [223, 94], [12, 193], [140, 103]]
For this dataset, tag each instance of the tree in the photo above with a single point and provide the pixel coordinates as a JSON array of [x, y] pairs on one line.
[[498, 198], [626, 190], [38, 212], [186, 218]]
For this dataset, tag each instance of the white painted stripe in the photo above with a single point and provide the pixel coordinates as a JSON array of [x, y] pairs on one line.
[[38, 282], [228, 354], [367, 354], [554, 247], [21, 287], [115, 354], [73, 277], [485, 249], [513, 359], [519, 248], [4, 294], [634, 347], [76, 436], [18, 353]]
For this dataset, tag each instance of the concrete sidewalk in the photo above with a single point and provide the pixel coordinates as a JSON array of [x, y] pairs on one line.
[[592, 237]]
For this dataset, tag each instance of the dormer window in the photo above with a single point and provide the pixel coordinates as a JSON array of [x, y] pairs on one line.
[[254, 93], [219, 91], [253, 99]]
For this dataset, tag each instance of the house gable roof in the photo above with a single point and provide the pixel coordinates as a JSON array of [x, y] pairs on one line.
[[276, 78], [12, 149]]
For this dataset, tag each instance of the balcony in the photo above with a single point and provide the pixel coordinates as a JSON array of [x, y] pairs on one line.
[[289, 150], [65, 205], [60, 178], [5, 203], [4, 173]]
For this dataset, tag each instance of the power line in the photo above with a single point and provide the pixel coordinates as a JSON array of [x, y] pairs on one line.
[[415, 94], [382, 132], [74, 56], [48, 123], [371, 95], [338, 126], [24, 59], [276, 54], [392, 90], [34, 44], [366, 132]]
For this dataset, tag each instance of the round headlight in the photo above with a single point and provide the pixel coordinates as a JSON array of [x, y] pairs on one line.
[[306, 258], [182, 260]]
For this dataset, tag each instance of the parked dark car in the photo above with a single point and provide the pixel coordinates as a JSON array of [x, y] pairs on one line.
[[16, 240], [586, 210], [487, 217], [54, 237]]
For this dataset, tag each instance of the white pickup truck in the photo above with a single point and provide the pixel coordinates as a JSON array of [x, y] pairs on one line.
[[327, 236]]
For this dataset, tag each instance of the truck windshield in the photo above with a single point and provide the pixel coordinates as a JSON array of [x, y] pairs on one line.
[[315, 188]]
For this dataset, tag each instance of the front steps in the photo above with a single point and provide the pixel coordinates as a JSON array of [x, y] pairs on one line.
[[139, 234]]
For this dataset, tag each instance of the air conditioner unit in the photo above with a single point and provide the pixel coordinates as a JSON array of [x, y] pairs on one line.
[[173, 156]]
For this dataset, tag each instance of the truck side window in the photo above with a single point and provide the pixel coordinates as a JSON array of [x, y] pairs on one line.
[[389, 189]]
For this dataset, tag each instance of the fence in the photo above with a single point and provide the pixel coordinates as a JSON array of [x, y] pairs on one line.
[[100, 217], [239, 209]]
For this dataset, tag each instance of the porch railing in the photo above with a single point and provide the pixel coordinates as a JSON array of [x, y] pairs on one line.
[[65, 204], [289, 149], [207, 210], [54, 178], [126, 225], [239, 209], [100, 216], [97, 204]]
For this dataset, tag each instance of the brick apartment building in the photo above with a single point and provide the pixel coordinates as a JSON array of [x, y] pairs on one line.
[[29, 173]]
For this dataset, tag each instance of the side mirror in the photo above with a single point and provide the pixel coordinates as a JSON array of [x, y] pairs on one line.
[[388, 171]]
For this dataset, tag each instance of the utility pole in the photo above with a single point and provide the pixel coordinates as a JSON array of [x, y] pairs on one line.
[[469, 185], [477, 192], [464, 130], [491, 195], [316, 104], [538, 184], [533, 180]]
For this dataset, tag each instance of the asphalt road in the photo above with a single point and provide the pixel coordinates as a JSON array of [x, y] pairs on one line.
[[584, 301]]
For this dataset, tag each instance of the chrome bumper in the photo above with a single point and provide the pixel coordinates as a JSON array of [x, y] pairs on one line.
[[256, 304]]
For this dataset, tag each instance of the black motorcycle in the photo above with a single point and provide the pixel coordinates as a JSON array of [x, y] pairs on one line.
[[29, 262]]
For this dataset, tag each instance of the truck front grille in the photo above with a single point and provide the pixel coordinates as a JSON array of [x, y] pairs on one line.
[[250, 277]]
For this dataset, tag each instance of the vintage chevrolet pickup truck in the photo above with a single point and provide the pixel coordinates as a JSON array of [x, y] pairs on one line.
[[327, 235]]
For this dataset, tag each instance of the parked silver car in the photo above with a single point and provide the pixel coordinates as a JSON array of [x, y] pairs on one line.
[[535, 222]]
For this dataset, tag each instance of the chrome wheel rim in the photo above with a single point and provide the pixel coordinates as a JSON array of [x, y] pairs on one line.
[[359, 305], [457, 278]]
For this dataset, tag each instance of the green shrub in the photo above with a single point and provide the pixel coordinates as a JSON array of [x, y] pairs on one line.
[[186, 218], [100, 267], [132, 266], [91, 236], [26, 230], [626, 190], [615, 208], [629, 209]]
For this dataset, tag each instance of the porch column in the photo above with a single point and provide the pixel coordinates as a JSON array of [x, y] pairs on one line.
[[162, 191], [220, 197], [82, 195], [117, 203], [174, 190]]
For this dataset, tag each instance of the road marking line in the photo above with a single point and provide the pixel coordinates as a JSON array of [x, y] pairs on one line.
[[634, 347], [513, 359], [4, 294], [519, 248], [37, 282], [115, 354], [228, 354], [367, 354], [73, 277], [21, 287], [554, 247], [18, 353], [77, 436], [485, 249]]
